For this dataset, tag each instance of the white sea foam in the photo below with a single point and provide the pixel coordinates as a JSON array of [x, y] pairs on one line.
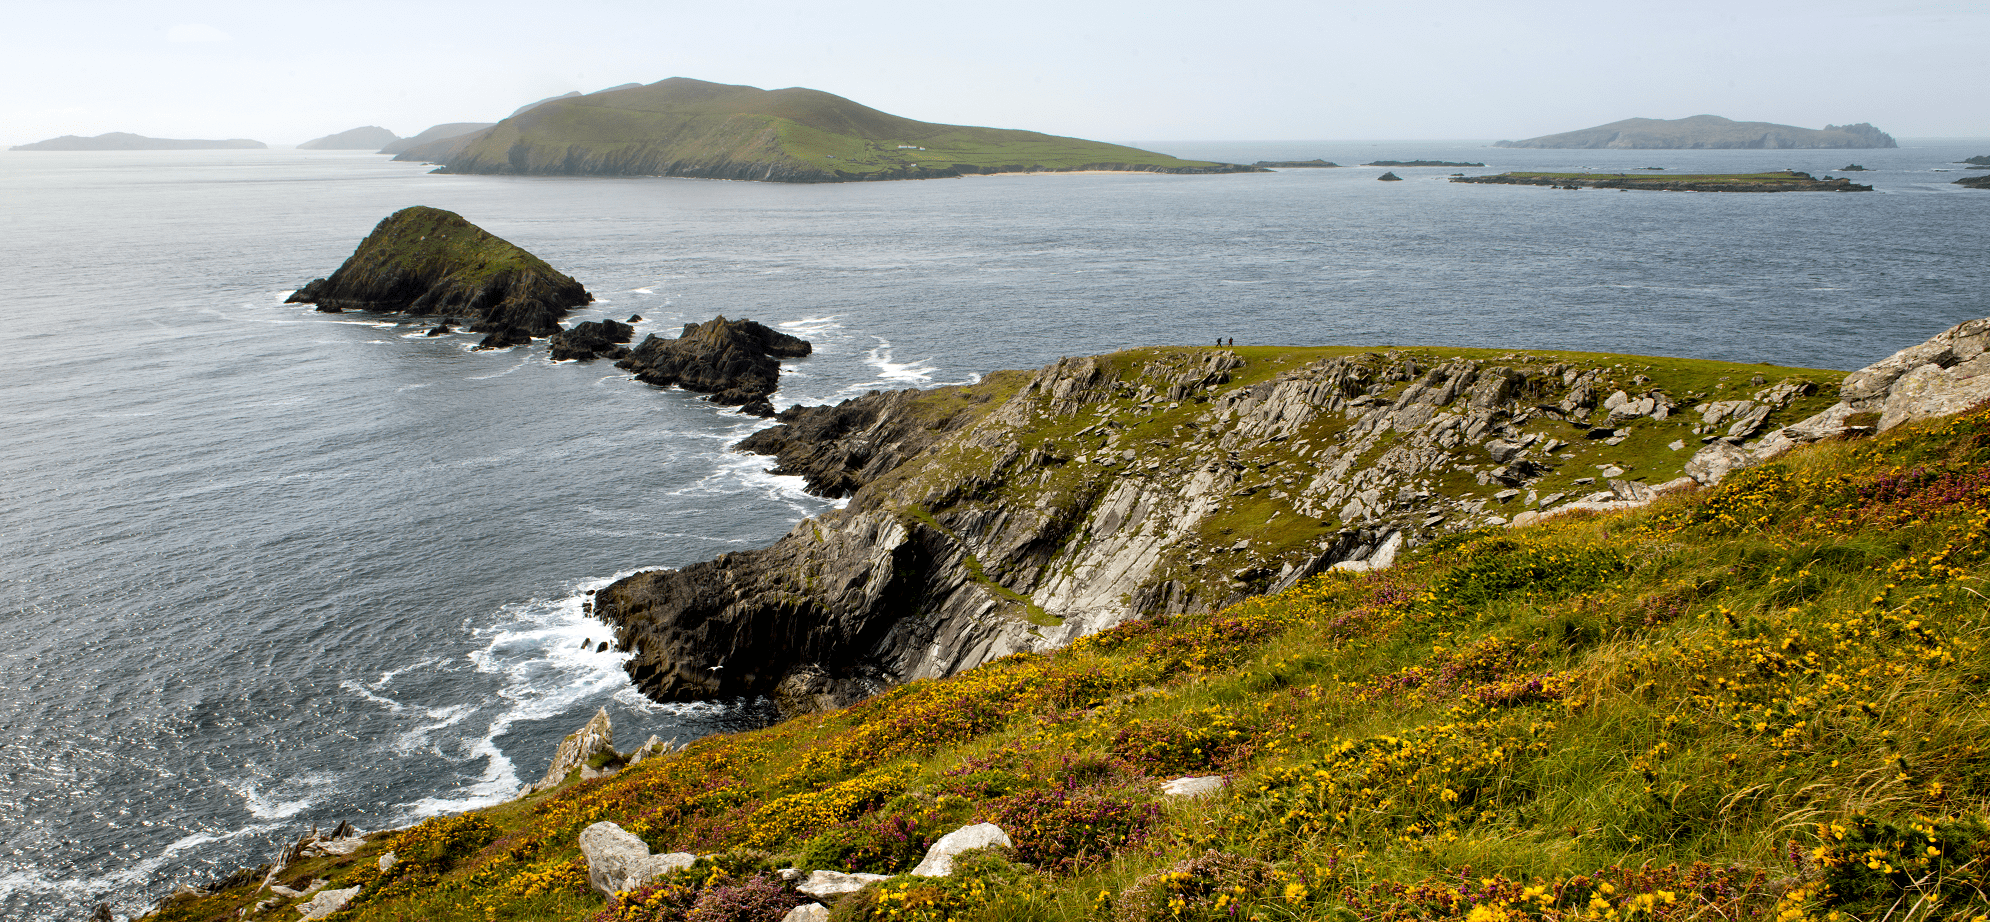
[[919, 371], [643, 291]]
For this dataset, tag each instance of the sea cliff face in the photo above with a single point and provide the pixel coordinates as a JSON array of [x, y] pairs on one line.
[[1028, 510], [427, 261]]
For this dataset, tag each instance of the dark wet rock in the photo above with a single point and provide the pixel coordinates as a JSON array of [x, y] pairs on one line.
[[505, 339], [589, 340], [634, 318], [441, 329], [427, 261], [1389, 177], [737, 362]]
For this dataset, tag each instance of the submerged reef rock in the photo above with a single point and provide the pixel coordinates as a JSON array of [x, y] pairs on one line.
[[737, 362], [425, 261], [1032, 508]]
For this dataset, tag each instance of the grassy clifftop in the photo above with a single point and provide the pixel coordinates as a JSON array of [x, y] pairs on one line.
[[685, 127], [1760, 701]]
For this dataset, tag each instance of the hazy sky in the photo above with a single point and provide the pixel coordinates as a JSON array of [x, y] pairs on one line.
[[1158, 70]]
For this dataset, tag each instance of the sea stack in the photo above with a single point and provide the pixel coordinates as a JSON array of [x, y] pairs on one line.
[[737, 362], [424, 260]]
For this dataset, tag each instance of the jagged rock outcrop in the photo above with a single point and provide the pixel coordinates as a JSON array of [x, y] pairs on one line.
[[426, 261], [737, 362], [590, 340], [1047, 506], [597, 737], [839, 448], [1947, 374]]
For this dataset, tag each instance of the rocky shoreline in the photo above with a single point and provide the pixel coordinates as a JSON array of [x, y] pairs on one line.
[[1018, 515]]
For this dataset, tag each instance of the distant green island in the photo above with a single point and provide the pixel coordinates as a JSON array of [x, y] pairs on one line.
[[1295, 164], [685, 127], [1420, 163], [1779, 181], [1708, 132], [1983, 160], [121, 140]]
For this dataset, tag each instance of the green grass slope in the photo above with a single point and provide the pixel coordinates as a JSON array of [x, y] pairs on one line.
[[685, 127], [1764, 701]]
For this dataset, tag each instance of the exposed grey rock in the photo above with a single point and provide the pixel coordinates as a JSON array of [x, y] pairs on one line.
[[1194, 787], [939, 860], [807, 912], [832, 883], [596, 737], [386, 861], [618, 861], [326, 903], [1719, 458]]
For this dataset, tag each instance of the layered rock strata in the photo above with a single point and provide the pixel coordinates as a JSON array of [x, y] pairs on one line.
[[736, 362], [1028, 510], [427, 261]]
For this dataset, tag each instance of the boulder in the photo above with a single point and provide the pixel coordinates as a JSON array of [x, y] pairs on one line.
[[939, 860], [1194, 787], [426, 261], [326, 903], [807, 912], [833, 883], [737, 362], [597, 737], [617, 861]]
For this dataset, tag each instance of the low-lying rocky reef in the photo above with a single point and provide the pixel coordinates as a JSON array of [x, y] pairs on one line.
[[736, 362], [1780, 181]]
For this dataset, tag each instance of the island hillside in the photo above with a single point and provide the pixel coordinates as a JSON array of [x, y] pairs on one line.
[[1779, 181], [684, 127], [1709, 132], [119, 140], [427, 261], [434, 133], [1757, 697], [371, 137]]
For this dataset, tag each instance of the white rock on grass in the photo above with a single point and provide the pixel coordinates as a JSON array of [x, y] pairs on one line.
[[1193, 787], [618, 861], [326, 903], [939, 860], [807, 912], [830, 883]]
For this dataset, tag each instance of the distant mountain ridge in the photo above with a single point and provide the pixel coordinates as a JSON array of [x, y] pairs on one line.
[[1709, 132], [686, 127], [123, 140], [435, 133], [370, 137]]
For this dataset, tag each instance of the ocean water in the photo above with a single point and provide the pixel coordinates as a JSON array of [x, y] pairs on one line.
[[263, 568]]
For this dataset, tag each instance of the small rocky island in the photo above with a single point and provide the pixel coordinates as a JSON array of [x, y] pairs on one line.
[[1295, 164], [370, 137], [1421, 163], [1974, 182], [427, 261], [737, 362], [1780, 181]]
